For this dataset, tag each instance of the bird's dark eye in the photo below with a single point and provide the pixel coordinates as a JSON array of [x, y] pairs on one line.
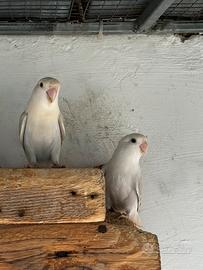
[[133, 140], [41, 85]]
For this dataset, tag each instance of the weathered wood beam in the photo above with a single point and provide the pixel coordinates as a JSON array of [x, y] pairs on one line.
[[151, 14], [51, 196], [112, 245], [7, 266]]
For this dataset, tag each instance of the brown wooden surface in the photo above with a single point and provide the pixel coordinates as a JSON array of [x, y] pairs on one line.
[[8, 266], [51, 196], [115, 244]]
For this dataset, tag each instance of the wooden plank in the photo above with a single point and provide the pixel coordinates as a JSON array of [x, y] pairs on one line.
[[7, 266], [115, 244], [51, 196]]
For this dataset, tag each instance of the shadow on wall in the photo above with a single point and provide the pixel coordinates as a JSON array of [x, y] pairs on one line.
[[94, 122]]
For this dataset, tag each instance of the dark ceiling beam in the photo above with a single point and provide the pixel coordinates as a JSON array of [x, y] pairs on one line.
[[151, 14], [80, 10], [86, 9], [30, 28], [45, 28], [70, 10], [180, 27]]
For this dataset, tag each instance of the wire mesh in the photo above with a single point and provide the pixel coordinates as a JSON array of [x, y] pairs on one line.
[[52, 10], [114, 9], [92, 10], [185, 9]]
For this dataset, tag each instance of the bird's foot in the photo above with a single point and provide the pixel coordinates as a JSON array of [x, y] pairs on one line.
[[122, 215], [137, 224], [58, 166], [139, 228], [98, 167], [29, 166]]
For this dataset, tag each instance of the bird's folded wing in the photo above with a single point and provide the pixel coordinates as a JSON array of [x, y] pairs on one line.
[[22, 126], [62, 127], [138, 189]]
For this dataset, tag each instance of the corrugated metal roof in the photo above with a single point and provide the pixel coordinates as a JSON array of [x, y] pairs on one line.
[[185, 9], [115, 9], [35, 10], [94, 10], [121, 12]]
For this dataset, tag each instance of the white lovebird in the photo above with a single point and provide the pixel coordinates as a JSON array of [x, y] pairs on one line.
[[41, 126], [123, 177]]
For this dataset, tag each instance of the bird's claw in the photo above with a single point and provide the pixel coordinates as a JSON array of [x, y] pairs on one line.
[[29, 166], [123, 215], [57, 166]]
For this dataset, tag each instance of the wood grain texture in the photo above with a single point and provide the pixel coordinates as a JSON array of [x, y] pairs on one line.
[[114, 244], [8, 266], [51, 196]]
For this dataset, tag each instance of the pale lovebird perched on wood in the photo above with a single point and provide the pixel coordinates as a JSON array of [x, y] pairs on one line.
[[123, 177], [41, 126]]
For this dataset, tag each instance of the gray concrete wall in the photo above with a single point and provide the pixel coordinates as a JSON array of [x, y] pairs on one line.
[[110, 87]]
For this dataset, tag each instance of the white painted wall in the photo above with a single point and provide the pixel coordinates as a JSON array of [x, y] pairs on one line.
[[110, 87]]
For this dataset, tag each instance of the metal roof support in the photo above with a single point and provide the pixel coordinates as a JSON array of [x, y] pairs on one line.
[[30, 28], [71, 7], [80, 10], [151, 14], [183, 27]]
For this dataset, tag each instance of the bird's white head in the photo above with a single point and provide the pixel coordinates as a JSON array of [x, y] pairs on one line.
[[132, 147], [48, 88]]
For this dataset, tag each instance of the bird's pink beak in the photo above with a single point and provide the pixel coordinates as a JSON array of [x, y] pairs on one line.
[[51, 93], [143, 147]]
